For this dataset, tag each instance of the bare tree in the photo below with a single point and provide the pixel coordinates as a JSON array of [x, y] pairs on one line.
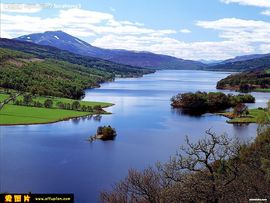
[[137, 187], [205, 167], [211, 170]]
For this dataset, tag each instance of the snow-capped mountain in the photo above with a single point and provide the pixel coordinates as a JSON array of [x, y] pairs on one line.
[[70, 43]]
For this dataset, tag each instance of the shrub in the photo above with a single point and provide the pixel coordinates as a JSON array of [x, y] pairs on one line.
[[48, 103], [76, 105]]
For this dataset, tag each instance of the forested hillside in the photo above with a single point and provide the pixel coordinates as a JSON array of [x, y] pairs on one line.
[[26, 72], [257, 79], [47, 52]]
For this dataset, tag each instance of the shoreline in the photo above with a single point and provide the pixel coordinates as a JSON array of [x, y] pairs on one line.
[[51, 122], [253, 117], [236, 89], [59, 120]]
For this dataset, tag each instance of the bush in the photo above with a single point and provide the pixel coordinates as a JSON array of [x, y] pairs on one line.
[[27, 99], [76, 105], [97, 108], [48, 103], [61, 105], [37, 104]]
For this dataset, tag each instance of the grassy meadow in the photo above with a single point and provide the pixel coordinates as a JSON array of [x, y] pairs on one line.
[[12, 114], [254, 116]]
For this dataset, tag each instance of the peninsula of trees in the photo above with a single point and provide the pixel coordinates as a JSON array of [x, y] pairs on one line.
[[255, 80]]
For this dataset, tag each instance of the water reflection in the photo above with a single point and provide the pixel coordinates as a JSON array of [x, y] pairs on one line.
[[56, 158]]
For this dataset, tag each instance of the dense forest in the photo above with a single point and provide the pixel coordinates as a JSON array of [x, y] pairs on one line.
[[209, 102], [246, 81], [24, 72], [48, 52]]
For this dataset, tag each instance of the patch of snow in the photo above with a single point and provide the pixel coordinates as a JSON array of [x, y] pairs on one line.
[[81, 42], [56, 37]]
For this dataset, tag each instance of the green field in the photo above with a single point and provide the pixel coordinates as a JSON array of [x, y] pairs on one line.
[[15, 115], [255, 116], [262, 90], [12, 114]]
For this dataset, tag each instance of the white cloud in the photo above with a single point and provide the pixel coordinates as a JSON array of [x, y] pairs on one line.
[[258, 3], [106, 31], [265, 48], [186, 31], [81, 23], [240, 30], [173, 47], [266, 12]]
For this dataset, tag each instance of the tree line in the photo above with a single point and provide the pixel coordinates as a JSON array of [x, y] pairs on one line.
[[49, 103]]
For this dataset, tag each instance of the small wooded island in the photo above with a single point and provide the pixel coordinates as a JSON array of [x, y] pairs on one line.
[[104, 133], [209, 102], [217, 102]]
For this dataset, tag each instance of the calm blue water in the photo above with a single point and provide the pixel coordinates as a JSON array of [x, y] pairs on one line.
[[56, 158]]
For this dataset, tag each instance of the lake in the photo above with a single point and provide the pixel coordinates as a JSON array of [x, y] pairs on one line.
[[56, 158]]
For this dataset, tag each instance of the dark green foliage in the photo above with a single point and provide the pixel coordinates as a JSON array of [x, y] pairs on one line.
[[18, 102], [89, 109], [97, 109], [246, 81], [75, 105], [48, 103], [68, 106], [61, 105], [37, 104], [203, 102], [107, 132], [83, 108], [27, 99], [47, 77]]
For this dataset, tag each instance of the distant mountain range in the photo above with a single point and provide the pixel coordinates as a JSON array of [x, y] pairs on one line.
[[242, 63], [64, 41], [244, 58]]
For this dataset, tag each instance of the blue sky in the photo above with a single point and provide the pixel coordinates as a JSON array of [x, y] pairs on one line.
[[190, 29]]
